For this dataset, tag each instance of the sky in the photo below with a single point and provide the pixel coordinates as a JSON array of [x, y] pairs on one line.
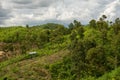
[[36, 12]]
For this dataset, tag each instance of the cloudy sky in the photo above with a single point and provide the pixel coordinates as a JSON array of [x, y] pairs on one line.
[[34, 12]]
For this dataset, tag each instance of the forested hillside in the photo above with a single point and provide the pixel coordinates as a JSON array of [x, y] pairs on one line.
[[76, 52]]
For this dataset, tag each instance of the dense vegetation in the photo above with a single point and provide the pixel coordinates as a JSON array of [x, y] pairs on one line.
[[93, 50]]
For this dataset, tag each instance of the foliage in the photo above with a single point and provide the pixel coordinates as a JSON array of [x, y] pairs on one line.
[[94, 48]]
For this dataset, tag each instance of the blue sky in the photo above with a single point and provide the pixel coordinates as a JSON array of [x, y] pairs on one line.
[[35, 12]]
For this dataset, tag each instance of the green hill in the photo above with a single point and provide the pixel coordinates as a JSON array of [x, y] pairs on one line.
[[76, 52]]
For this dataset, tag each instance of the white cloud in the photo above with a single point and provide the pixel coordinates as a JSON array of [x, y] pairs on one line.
[[112, 10], [35, 12]]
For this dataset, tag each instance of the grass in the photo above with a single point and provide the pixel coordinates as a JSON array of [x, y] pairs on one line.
[[27, 67], [34, 69]]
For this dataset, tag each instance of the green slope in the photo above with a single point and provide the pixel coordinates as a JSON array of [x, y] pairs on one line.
[[32, 69]]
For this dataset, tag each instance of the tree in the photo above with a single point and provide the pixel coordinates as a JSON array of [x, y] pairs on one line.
[[96, 59], [78, 49], [74, 25], [78, 58], [116, 50], [27, 26], [102, 25], [77, 23], [116, 26], [71, 26], [81, 31], [92, 23], [104, 17]]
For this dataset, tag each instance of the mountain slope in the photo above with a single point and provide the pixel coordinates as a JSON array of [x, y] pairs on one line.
[[32, 69]]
